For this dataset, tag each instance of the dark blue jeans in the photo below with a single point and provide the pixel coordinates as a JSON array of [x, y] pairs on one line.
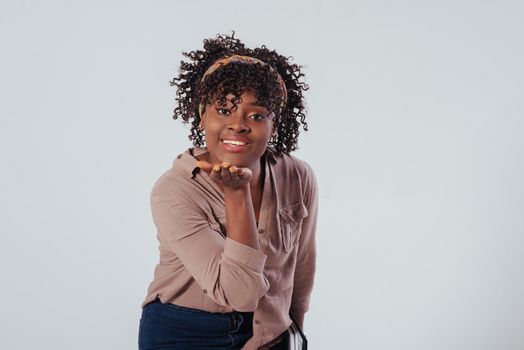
[[173, 327]]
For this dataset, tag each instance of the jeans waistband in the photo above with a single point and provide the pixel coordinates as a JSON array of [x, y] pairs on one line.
[[212, 321]]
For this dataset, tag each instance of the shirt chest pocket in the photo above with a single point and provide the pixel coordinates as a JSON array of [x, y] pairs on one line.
[[290, 224]]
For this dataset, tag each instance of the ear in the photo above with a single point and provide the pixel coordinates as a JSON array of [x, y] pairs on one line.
[[202, 123]]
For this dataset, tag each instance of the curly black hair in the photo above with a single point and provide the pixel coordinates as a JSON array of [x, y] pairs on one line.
[[236, 78]]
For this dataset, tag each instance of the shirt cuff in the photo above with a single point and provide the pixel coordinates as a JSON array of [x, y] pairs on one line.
[[296, 310], [250, 257]]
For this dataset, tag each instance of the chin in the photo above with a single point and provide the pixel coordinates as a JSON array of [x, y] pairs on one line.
[[236, 160]]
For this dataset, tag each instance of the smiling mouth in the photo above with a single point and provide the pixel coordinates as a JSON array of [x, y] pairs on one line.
[[234, 142], [235, 146]]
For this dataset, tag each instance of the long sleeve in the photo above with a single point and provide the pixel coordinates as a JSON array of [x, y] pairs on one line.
[[228, 272], [306, 257]]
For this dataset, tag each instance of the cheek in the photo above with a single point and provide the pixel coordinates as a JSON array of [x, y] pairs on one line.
[[213, 128], [209, 128], [269, 130]]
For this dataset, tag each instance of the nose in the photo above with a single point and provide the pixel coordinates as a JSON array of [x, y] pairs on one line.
[[238, 124]]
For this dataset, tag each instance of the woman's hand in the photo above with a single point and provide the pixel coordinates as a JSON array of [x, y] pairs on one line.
[[240, 215], [227, 175]]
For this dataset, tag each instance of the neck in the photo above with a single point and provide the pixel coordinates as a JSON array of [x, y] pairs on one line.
[[258, 175]]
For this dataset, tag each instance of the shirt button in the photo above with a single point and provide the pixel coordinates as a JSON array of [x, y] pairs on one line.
[[257, 321], [261, 231], [205, 291]]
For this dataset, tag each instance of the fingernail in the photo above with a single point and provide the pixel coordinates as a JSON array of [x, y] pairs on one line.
[[216, 168], [225, 164], [233, 169]]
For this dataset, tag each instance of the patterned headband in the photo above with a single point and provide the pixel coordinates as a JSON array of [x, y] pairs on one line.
[[249, 60]]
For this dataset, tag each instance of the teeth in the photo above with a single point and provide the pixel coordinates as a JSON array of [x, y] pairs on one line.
[[232, 142]]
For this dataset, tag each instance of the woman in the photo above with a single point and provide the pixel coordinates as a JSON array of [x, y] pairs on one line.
[[236, 215]]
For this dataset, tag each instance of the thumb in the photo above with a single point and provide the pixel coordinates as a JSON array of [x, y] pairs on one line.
[[245, 173]]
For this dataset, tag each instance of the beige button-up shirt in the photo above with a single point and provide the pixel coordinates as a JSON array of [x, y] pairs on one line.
[[201, 268]]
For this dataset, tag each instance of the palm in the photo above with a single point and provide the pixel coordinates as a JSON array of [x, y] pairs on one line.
[[226, 174]]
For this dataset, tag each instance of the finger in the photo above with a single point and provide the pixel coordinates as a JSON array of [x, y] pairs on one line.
[[233, 171], [225, 170], [215, 173], [202, 164]]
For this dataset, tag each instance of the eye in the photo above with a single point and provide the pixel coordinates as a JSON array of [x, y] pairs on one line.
[[223, 111], [257, 117]]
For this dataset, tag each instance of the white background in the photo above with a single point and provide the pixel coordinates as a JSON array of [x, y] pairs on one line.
[[416, 120]]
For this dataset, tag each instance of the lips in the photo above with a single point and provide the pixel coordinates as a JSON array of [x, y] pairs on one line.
[[235, 143], [236, 139]]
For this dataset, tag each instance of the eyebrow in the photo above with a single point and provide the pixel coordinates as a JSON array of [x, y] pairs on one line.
[[256, 103]]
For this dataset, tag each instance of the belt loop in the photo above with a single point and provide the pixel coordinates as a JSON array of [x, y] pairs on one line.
[[234, 322]]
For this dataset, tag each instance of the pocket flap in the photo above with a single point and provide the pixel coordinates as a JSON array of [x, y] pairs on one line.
[[293, 212]]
